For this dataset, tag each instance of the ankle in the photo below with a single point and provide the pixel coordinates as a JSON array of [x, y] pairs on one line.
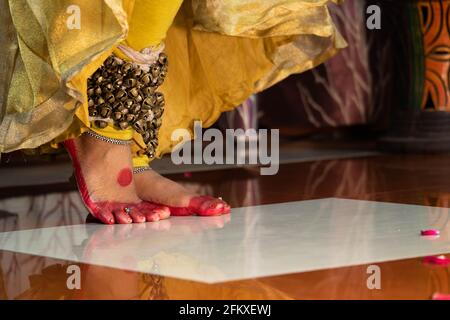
[[96, 151]]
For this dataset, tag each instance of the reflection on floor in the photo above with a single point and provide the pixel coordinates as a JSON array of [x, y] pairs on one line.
[[251, 245], [257, 241]]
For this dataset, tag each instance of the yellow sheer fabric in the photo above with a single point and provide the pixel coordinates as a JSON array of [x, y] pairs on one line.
[[214, 63]]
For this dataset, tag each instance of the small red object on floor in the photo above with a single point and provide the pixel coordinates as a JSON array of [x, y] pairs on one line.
[[430, 232], [437, 260], [187, 174], [440, 296]]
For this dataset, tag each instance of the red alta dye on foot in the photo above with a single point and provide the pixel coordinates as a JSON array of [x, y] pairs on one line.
[[100, 210], [202, 206]]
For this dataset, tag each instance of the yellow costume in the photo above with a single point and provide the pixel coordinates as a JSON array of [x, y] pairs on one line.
[[220, 53]]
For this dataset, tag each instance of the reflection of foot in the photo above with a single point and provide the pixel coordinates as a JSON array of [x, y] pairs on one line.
[[105, 181], [113, 243], [152, 187]]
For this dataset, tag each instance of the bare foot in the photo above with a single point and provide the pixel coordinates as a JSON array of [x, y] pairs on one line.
[[152, 187], [105, 180]]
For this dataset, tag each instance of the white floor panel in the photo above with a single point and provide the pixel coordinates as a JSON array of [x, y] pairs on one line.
[[253, 242]]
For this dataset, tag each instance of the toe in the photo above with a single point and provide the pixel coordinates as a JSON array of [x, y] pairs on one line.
[[226, 208], [164, 212], [105, 216], [211, 207], [137, 216], [122, 217], [154, 212], [152, 217]]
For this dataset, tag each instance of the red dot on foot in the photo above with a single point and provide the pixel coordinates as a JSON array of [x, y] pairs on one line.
[[125, 177]]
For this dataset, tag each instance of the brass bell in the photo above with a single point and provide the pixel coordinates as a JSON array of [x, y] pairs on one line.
[[109, 86], [109, 97], [159, 82], [134, 92], [159, 97], [158, 112], [138, 99], [162, 58], [92, 112], [117, 105], [101, 124], [91, 102], [137, 72], [100, 101], [115, 70], [126, 67], [148, 91], [98, 91], [150, 149], [120, 94], [123, 125], [139, 126], [146, 115], [97, 73], [105, 112], [148, 102], [157, 122], [135, 108], [155, 70], [130, 82], [129, 103], [109, 61], [118, 83], [145, 79], [122, 109], [146, 136], [130, 117], [90, 91], [117, 116], [154, 143]]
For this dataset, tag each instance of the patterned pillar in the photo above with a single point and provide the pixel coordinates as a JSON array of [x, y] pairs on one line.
[[419, 32], [435, 26]]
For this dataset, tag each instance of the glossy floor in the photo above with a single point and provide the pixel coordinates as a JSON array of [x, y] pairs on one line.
[[259, 252], [256, 241]]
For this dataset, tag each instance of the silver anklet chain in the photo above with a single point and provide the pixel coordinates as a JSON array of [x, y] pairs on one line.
[[106, 139], [137, 170]]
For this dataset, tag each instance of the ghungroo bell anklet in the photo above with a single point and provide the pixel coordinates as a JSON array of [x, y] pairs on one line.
[[123, 94]]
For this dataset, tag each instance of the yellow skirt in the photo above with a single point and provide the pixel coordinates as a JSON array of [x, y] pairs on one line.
[[220, 52]]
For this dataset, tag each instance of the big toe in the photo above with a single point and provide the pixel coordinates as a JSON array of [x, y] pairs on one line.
[[209, 206]]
